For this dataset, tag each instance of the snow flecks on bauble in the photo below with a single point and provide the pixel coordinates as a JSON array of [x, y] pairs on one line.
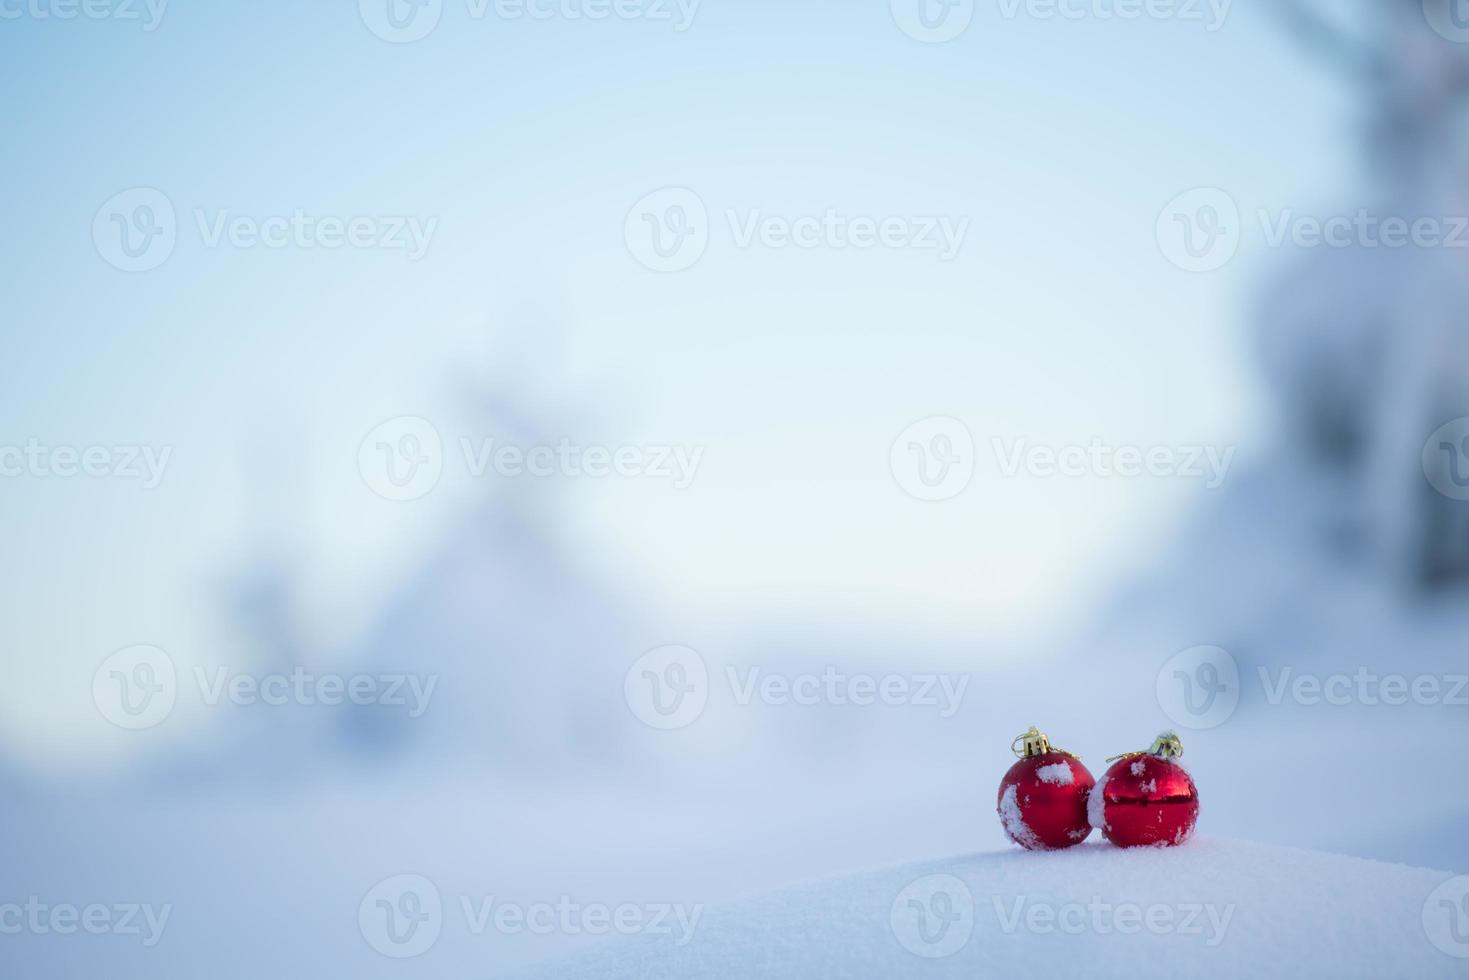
[[1058, 774], [1042, 801], [1014, 821], [1146, 798]]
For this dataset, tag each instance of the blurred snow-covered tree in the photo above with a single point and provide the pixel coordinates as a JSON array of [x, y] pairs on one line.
[[1367, 347]]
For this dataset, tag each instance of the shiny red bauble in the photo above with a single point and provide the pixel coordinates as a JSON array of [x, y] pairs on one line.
[[1145, 799], [1042, 799]]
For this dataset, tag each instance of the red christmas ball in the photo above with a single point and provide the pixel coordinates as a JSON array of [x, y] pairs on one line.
[[1042, 799], [1146, 798]]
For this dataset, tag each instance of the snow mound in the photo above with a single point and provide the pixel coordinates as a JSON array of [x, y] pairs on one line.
[[1212, 908]]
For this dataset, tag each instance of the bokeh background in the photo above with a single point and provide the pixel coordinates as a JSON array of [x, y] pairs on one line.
[[553, 204]]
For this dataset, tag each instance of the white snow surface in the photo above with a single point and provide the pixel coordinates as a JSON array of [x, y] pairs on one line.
[[1217, 908]]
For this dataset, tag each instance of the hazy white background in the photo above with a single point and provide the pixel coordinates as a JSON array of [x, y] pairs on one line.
[[262, 370]]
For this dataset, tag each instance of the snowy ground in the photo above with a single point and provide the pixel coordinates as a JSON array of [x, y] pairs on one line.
[[1213, 908], [271, 881]]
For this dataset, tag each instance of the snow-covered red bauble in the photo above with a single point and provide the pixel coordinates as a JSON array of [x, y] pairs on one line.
[[1146, 798], [1042, 801]]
